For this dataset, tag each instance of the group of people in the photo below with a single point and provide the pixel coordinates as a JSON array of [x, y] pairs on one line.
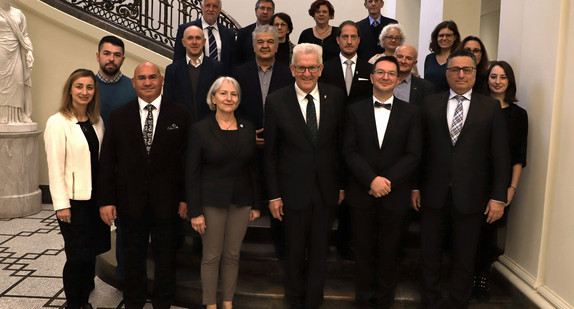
[[337, 126]]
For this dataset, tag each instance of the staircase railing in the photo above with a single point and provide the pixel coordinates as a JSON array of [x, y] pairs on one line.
[[152, 23]]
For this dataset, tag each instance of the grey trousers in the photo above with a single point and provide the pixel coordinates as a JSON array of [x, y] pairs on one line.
[[225, 229]]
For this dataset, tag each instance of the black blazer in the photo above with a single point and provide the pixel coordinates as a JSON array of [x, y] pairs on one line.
[[227, 42], [244, 45], [177, 85], [251, 106], [477, 168], [370, 45], [361, 87], [129, 178], [218, 174], [420, 88], [396, 160], [295, 166]]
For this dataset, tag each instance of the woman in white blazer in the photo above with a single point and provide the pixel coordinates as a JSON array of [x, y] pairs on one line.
[[73, 138]]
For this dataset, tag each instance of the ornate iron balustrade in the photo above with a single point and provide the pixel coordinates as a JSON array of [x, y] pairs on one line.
[[156, 20]]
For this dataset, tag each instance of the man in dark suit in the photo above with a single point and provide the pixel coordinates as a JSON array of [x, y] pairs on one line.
[[188, 79], [221, 42], [258, 78], [371, 29], [382, 148], [357, 84], [351, 74], [410, 89], [264, 10], [465, 174], [303, 123], [141, 177]]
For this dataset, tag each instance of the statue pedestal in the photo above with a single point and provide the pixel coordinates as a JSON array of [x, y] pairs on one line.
[[19, 170]]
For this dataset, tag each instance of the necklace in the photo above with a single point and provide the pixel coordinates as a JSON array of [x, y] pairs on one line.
[[322, 34], [225, 126]]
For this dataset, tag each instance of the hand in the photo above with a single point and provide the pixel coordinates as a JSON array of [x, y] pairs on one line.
[[182, 211], [259, 142], [254, 214], [341, 197], [64, 215], [416, 200], [494, 210], [276, 209], [198, 224], [108, 214], [510, 195], [380, 186]]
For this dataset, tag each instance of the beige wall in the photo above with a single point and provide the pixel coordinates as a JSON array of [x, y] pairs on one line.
[[539, 246]]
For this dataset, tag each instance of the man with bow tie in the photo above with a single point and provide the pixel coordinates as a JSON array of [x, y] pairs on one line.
[[382, 148], [142, 178]]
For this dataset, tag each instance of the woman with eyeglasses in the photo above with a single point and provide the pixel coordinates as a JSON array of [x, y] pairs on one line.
[[475, 46], [322, 33], [391, 37], [282, 22], [501, 85], [73, 137], [444, 40]]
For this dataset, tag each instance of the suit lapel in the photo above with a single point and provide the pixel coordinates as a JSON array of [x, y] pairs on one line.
[[134, 126], [295, 109], [371, 122], [471, 118], [393, 120]]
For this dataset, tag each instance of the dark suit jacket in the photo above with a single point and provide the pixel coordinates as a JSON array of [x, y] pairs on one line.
[[369, 45], [361, 88], [244, 45], [227, 42], [251, 106], [396, 160], [218, 174], [177, 85], [420, 88], [477, 168], [294, 165], [128, 177]]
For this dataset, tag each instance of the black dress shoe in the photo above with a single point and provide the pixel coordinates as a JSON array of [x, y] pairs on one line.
[[480, 290]]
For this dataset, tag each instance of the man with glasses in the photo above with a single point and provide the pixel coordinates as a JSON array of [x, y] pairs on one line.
[[410, 88], [220, 39], [465, 173], [264, 10], [371, 28], [351, 74], [382, 149], [303, 124]]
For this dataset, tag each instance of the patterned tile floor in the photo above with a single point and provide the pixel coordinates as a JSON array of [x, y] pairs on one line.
[[31, 261]]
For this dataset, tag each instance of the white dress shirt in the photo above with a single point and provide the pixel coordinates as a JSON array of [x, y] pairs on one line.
[[382, 118], [303, 101], [198, 63], [155, 112], [451, 107], [215, 32]]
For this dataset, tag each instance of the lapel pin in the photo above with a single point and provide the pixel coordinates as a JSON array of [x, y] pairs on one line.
[[241, 125], [324, 97]]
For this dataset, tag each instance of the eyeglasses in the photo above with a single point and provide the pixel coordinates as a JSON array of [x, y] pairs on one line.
[[312, 69], [280, 25], [475, 51], [392, 38], [465, 70], [382, 73], [445, 36]]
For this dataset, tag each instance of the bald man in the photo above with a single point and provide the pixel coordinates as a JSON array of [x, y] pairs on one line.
[[410, 89], [141, 180]]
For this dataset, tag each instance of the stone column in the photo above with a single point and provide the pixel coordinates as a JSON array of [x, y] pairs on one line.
[[19, 173]]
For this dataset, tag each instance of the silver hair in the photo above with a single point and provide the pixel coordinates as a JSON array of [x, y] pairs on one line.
[[216, 85], [220, 3], [386, 30], [264, 29], [307, 48]]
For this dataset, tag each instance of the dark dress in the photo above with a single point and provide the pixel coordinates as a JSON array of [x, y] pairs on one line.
[[436, 73], [85, 237], [329, 44], [284, 52]]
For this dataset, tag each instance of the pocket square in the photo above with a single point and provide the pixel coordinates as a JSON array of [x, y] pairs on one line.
[[363, 79], [173, 127]]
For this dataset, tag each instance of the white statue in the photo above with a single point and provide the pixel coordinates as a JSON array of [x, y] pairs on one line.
[[16, 62]]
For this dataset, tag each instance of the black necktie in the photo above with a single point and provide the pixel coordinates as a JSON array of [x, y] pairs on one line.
[[311, 117], [383, 105]]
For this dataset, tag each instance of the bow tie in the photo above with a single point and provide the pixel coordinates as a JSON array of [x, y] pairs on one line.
[[383, 105]]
